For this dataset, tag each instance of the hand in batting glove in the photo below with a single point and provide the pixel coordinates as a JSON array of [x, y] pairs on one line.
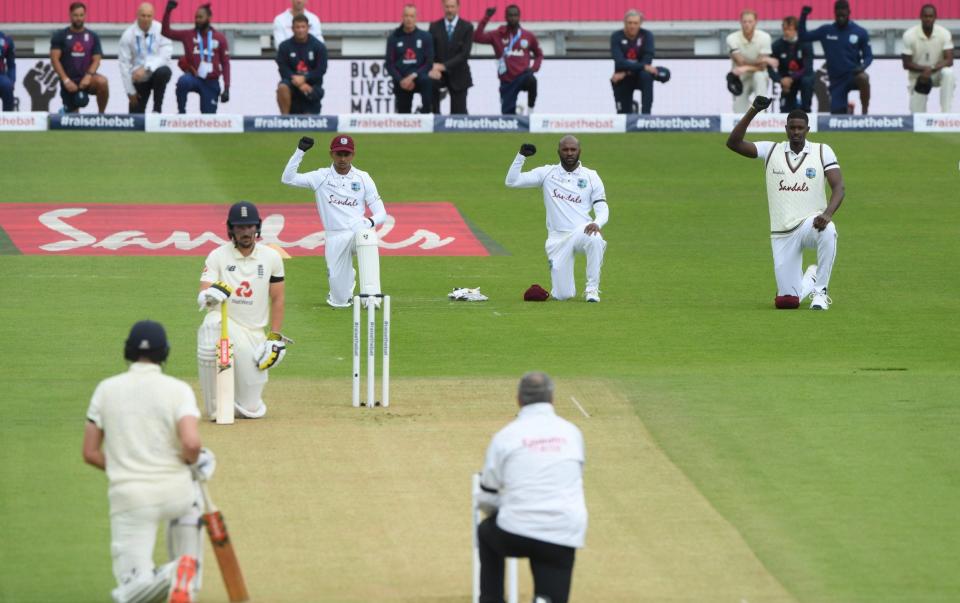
[[171, 4], [760, 103], [214, 295], [528, 150], [272, 351], [206, 464], [225, 97], [305, 144]]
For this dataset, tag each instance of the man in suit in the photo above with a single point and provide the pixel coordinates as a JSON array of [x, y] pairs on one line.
[[452, 40]]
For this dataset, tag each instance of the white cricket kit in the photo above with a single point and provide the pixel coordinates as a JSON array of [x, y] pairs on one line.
[[796, 194], [569, 198], [754, 82], [283, 27], [137, 48], [342, 201], [535, 464], [928, 52], [138, 412], [249, 314]]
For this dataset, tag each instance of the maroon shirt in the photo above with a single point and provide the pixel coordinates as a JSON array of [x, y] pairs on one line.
[[518, 58], [216, 51], [77, 49]]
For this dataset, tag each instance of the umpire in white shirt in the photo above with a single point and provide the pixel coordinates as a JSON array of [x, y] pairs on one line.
[[144, 57], [532, 486]]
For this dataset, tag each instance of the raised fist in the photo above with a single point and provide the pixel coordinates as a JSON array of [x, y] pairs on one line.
[[305, 143], [806, 10], [171, 4], [490, 12], [760, 103], [528, 150]]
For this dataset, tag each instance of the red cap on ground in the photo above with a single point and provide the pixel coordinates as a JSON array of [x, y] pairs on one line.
[[536, 293], [341, 142]]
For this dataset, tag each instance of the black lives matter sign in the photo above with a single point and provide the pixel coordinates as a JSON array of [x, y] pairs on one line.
[[371, 88]]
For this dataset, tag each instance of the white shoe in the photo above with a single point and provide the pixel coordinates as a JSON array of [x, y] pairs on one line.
[[808, 282], [820, 299], [334, 304], [592, 296]]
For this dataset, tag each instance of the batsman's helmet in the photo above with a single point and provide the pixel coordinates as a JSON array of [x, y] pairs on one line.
[[243, 213], [147, 339]]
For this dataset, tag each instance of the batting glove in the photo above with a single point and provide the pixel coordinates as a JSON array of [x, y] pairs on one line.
[[206, 464], [271, 352], [214, 295]]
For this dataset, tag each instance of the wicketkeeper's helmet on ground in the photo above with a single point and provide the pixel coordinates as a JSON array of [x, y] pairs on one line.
[[147, 339], [243, 213]]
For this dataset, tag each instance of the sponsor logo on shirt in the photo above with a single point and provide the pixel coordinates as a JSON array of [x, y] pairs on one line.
[[563, 196], [553, 444], [796, 187], [334, 200]]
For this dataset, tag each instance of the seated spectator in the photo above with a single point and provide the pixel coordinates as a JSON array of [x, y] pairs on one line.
[[846, 46], [302, 61], [750, 50], [795, 72], [633, 51], [144, 59], [283, 23], [409, 61], [514, 48], [75, 54], [452, 41], [8, 71], [205, 57], [928, 59]]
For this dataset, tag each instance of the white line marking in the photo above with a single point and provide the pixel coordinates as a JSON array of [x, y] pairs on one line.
[[585, 413]]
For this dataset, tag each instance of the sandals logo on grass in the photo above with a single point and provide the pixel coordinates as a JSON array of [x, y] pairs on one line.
[[426, 229]]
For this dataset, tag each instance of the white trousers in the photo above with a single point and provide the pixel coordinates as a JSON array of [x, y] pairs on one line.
[[248, 380], [133, 535], [561, 251], [339, 249], [788, 256], [943, 79], [754, 83]]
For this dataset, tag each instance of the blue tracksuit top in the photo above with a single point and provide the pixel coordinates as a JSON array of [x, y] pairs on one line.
[[846, 49]]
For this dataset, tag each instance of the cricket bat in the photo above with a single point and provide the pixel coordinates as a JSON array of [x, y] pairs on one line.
[[223, 548], [225, 395]]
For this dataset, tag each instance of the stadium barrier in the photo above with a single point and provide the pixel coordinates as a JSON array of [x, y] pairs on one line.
[[409, 124]]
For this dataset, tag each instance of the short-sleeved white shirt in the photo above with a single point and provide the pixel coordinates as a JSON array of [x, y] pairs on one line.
[[923, 50], [250, 278], [536, 465], [567, 196], [138, 412], [750, 50], [343, 199]]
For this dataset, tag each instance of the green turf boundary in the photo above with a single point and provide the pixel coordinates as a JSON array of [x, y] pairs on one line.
[[7, 246]]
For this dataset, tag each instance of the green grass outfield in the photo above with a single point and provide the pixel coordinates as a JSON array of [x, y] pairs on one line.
[[734, 452]]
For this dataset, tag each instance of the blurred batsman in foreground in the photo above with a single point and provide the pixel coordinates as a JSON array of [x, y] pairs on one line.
[[570, 192], [532, 488], [796, 172], [343, 195], [249, 277], [142, 430]]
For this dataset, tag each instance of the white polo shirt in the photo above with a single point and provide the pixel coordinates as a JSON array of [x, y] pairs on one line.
[[536, 465], [752, 49], [138, 412], [283, 26], [795, 182], [250, 278], [342, 200], [567, 196], [923, 50]]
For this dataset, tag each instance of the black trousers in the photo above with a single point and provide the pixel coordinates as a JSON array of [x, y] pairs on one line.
[[458, 98], [157, 84], [404, 98], [551, 564], [623, 92]]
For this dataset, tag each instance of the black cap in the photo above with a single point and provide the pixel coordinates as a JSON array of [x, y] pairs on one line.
[[147, 339]]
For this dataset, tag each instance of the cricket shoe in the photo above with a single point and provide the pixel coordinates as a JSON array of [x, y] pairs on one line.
[[180, 588], [820, 299], [592, 296], [808, 282], [334, 304]]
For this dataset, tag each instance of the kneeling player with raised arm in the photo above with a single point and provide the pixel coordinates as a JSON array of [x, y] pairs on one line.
[[570, 192], [142, 430], [343, 194], [249, 278], [800, 217]]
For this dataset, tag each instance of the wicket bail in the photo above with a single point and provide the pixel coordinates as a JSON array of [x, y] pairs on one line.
[[371, 400]]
